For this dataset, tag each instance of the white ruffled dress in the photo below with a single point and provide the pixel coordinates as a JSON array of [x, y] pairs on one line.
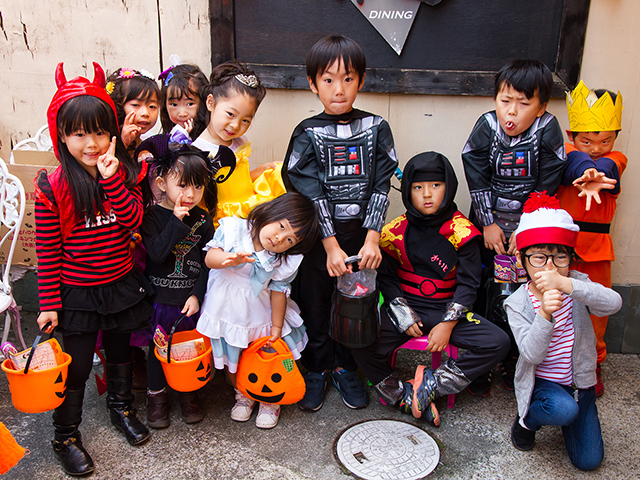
[[237, 306]]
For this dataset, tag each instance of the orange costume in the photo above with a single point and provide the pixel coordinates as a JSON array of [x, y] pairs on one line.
[[594, 247]]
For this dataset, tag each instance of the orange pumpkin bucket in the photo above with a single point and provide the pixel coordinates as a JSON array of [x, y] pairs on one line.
[[187, 375], [36, 391]]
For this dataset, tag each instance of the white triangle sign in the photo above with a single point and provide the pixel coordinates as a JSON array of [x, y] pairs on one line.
[[391, 18]]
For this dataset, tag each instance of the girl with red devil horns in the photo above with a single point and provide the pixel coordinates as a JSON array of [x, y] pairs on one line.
[[85, 212]]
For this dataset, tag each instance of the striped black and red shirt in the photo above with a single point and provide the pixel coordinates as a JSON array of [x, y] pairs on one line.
[[95, 252]]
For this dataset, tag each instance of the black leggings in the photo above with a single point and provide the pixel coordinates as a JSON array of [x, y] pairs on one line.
[[81, 348]]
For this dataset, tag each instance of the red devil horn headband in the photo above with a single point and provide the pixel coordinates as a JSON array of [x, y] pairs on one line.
[[98, 75], [73, 88]]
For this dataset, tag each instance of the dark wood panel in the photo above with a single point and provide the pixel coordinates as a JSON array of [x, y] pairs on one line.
[[453, 48]]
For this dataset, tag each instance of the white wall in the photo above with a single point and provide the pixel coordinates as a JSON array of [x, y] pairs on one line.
[[120, 33]]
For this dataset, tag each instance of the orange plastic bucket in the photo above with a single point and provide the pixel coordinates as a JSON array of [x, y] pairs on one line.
[[38, 391], [188, 375]]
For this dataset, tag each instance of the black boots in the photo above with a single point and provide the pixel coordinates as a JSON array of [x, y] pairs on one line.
[[120, 403], [67, 445]]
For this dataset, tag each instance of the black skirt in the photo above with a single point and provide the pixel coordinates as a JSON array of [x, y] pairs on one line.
[[121, 306]]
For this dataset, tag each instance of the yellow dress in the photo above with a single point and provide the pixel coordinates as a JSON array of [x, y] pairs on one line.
[[238, 194]]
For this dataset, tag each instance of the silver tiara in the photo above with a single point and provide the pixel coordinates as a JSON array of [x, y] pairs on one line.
[[248, 80]]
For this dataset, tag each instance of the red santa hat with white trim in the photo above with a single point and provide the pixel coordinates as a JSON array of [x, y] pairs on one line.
[[544, 222]]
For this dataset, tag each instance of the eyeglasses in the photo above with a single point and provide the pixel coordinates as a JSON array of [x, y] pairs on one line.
[[539, 260]]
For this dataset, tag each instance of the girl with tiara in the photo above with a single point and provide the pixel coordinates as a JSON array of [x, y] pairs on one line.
[[232, 98]]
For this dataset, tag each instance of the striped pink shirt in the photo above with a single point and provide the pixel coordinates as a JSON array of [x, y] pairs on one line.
[[556, 367]]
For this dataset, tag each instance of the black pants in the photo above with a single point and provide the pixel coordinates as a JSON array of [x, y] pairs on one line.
[[485, 344], [81, 347], [312, 290]]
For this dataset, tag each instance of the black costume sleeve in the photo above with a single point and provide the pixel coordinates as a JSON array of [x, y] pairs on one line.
[[552, 160], [303, 175], [477, 170], [388, 279], [386, 162], [468, 273]]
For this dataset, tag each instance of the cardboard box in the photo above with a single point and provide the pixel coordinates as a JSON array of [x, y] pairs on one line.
[[25, 252]]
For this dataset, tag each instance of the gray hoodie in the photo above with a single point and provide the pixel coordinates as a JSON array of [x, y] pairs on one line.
[[533, 334]]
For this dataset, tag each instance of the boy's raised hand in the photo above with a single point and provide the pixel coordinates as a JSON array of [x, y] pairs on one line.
[[551, 303], [130, 131], [107, 162], [180, 210], [547, 280], [494, 238], [590, 184]]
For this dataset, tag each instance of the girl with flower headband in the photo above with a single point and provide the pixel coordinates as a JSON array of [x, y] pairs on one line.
[[181, 103], [137, 98], [232, 97], [85, 212], [174, 233]]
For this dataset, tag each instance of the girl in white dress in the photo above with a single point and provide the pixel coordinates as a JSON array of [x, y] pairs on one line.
[[252, 263]]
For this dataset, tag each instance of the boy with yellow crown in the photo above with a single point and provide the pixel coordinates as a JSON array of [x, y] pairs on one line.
[[592, 165]]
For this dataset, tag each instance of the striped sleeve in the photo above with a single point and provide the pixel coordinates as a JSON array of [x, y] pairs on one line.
[[49, 251], [126, 204]]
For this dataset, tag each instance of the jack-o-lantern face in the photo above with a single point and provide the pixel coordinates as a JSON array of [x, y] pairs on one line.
[[280, 384], [207, 375], [63, 393], [267, 393]]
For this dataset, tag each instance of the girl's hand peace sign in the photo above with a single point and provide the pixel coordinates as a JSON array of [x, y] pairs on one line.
[[107, 162]]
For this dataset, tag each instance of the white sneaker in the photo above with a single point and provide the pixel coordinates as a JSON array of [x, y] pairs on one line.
[[268, 415], [241, 411]]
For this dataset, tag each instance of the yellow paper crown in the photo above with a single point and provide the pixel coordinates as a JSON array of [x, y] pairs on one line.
[[588, 113]]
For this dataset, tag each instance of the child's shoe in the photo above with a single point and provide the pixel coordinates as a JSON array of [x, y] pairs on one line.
[[424, 393], [268, 415], [158, 409], [316, 385], [508, 371], [241, 411], [599, 384], [407, 398], [481, 386], [350, 387], [190, 407], [522, 438]]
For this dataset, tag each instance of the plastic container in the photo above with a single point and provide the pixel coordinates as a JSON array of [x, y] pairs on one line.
[[355, 309], [188, 375]]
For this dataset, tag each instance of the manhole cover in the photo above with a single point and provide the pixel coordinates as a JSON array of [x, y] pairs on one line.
[[387, 450]]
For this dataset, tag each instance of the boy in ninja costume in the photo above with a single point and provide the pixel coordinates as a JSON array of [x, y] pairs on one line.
[[429, 277]]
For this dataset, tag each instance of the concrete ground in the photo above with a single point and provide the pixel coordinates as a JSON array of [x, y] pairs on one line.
[[473, 438]]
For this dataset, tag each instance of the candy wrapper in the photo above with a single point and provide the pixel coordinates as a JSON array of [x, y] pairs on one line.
[[180, 352], [47, 355]]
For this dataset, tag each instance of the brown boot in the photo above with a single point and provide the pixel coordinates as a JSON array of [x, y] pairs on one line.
[[190, 406], [158, 409]]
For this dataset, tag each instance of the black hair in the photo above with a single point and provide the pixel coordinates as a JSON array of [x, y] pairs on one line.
[[191, 167], [89, 114], [126, 89], [599, 93], [185, 80], [298, 210], [223, 84], [336, 47], [525, 76]]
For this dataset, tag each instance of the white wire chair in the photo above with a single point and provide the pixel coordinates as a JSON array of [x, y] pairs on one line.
[[40, 142], [12, 204]]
